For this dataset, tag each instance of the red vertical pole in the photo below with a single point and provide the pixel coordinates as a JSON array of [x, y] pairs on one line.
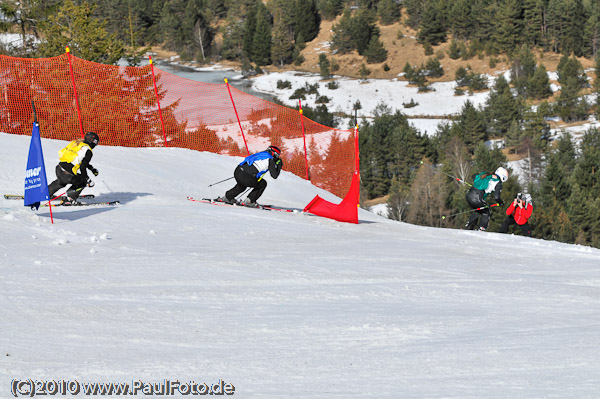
[[356, 151], [357, 160], [304, 137], [162, 123], [237, 116], [75, 90]]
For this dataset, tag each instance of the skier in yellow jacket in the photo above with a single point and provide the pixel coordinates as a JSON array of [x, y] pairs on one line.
[[74, 160]]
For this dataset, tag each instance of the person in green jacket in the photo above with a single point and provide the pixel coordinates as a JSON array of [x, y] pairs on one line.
[[484, 184]]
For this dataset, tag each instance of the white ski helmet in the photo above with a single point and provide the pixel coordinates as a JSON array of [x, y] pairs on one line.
[[502, 174]]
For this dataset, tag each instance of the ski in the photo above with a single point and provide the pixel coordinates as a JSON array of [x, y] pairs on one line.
[[278, 208], [21, 197], [211, 201], [105, 203], [237, 203]]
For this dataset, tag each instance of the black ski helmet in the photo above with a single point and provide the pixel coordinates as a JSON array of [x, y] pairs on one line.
[[91, 138], [274, 150]]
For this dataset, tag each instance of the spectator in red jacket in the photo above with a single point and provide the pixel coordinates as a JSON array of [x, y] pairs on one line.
[[518, 213]]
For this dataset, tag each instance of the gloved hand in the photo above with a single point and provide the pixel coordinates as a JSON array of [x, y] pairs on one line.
[[94, 171], [500, 202], [90, 183]]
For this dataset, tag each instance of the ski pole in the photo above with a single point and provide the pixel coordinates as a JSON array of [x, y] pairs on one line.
[[214, 184], [449, 175], [471, 210], [103, 182]]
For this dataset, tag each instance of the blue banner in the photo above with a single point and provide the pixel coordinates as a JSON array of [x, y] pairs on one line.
[[36, 184]]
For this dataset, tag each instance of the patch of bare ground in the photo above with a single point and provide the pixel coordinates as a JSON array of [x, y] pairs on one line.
[[375, 201]]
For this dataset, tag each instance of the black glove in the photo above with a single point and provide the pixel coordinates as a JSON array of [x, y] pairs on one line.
[[500, 202], [94, 170], [90, 183]]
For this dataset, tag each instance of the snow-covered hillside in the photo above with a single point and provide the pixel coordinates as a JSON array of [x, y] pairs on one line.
[[280, 305]]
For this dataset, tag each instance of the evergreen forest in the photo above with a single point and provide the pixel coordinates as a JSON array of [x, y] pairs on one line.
[[418, 175]]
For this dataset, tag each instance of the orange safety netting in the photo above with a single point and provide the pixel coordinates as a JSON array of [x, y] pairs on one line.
[[72, 96]]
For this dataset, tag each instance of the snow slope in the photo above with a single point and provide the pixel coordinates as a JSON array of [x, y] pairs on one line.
[[281, 305]]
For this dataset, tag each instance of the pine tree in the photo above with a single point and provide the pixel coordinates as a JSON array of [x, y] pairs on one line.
[[461, 19], [389, 147], [364, 71], [217, 8], [484, 14], [566, 24], [555, 185], [414, 10], [375, 53], [363, 28], [502, 107], [569, 68], [572, 42], [552, 222], [388, 11], [587, 170], [538, 86], [374, 156], [249, 28], [513, 135], [202, 33], [594, 210], [283, 45], [341, 39], [470, 126], [432, 28], [487, 160], [324, 66], [536, 127], [533, 22], [87, 37], [591, 36], [406, 147], [579, 214], [261, 40], [566, 153], [185, 28], [508, 27], [522, 69], [306, 19], [331, 8], [597, 87], [454, 50], [556, 24], [434, 68], [233, 33], [27, 17], [572, 78]]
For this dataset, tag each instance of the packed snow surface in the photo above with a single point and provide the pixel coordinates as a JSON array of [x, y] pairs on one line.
[[280, 305]]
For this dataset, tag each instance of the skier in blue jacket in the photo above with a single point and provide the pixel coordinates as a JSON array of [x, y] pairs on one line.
[[250, 173]]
